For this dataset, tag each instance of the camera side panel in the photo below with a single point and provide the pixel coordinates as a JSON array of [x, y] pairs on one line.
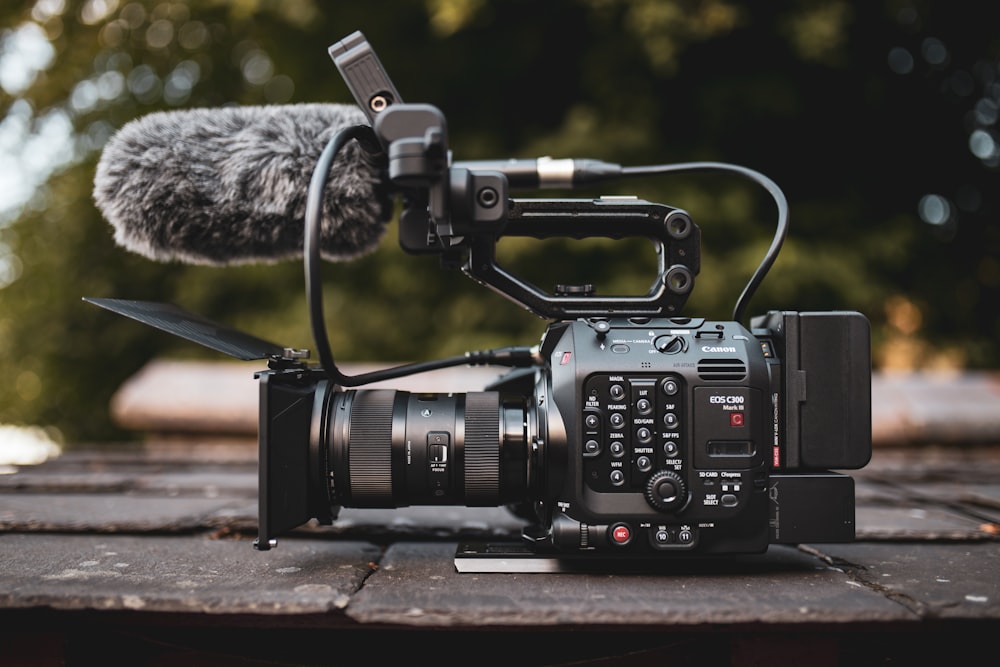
[[668, 425]]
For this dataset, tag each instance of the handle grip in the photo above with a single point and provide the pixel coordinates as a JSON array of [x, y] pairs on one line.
[[677, 238]]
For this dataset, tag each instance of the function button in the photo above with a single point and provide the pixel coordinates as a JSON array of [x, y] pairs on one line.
[[685, 536], [667, 490], [661, 536], [620, 534], [601, 327], [644, 464], [670, 387], [591, 448], [644, 435], [670, 420], [617, 449], [729, 500], [644, 406], [670, 449], [617, 420], [617, 392], [591, 421], [617, 477]]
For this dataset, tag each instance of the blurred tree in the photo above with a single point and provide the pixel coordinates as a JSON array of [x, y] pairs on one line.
[[878, 120]]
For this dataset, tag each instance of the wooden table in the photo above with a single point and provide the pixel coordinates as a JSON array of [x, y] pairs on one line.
[[141, 553]]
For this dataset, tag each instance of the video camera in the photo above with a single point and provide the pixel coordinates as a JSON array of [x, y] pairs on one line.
[[630, 431]]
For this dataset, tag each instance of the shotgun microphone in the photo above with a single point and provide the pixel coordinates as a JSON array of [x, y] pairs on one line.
[[226, 186]]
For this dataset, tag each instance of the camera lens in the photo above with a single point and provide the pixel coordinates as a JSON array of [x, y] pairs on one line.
[[389, 448]]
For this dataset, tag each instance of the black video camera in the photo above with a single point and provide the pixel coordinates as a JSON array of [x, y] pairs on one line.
[[632, 436], [630, 430]]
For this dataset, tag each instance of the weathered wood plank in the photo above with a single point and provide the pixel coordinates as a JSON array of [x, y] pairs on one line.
[[110, 513], [417, 585], [180, 574], [934, 581]]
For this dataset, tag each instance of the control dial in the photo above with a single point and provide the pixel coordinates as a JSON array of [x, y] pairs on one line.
[[666, 491], [670, 344]]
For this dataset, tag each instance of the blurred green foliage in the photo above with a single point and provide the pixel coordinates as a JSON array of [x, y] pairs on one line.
[[877, 119]]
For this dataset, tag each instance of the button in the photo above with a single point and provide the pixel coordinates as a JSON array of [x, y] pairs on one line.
[[670, 420], [662, 536], [729, 500], [591, 448], [644, 435], [617, 449], [644, 464], [617, 477], [620, 348], [617, 420], [670, 449], [685, 536], [644, 406], [601, 327], [711, 335], [666, 490], [670, 387], [621, 534], [592, 421], [437, 447], [574, 290], [617, 392]]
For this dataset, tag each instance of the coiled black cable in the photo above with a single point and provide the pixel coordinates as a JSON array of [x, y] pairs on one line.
[[506, 356], [780, 232]]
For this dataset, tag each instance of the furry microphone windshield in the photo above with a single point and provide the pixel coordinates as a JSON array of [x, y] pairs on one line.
[[229, 185]]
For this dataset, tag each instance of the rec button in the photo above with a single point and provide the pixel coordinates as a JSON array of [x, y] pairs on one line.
[[621, 534]]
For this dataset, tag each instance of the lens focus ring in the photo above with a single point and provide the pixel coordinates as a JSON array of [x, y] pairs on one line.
[[371, 446], [482, 448]]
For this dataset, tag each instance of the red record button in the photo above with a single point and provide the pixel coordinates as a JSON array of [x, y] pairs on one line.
[[621, 534]]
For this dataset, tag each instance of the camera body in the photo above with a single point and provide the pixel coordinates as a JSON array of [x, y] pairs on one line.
[[679, 431], [666, 432]]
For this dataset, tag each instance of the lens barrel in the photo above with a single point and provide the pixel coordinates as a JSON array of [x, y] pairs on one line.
[[389, 448]]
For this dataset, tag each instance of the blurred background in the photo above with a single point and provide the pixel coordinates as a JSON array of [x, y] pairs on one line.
[[877, 119]]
